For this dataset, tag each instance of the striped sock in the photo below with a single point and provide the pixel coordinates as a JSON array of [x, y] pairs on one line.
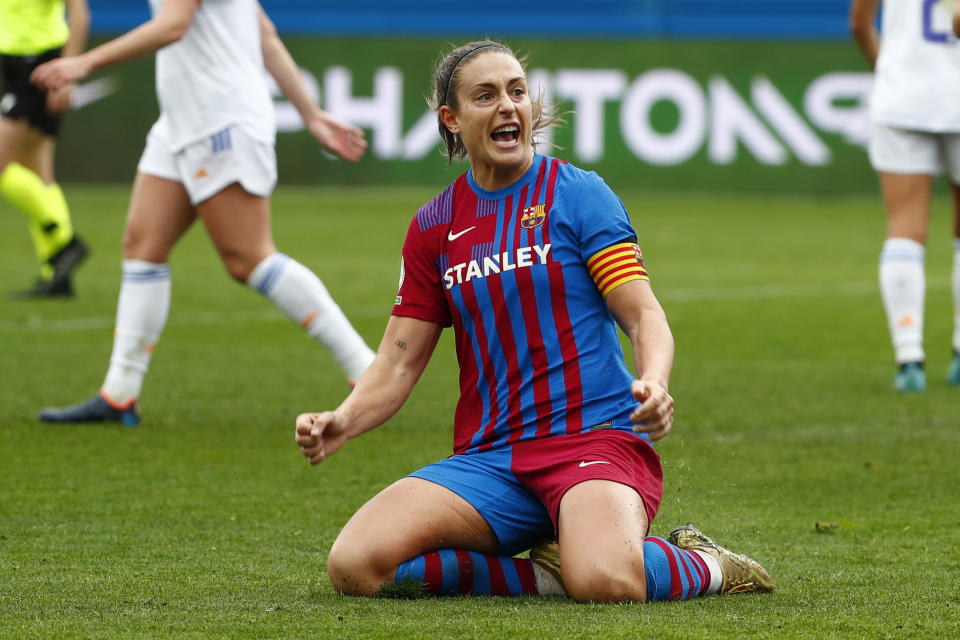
[[955, 287], [142, 311], [674, 573], [452, 572], [902, 287], [300, 294]]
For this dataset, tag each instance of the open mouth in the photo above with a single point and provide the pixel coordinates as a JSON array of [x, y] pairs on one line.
[[507, 134]]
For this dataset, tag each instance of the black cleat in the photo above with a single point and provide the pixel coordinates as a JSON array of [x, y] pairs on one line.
[[67, 259], [45, 289], [97, 409], [63, 262]]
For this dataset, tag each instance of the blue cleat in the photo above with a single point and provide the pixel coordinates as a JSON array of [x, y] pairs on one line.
[[97, 409], [953, 373], [910, 377]]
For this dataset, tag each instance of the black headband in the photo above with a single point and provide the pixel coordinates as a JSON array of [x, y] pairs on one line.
[[446, 92]]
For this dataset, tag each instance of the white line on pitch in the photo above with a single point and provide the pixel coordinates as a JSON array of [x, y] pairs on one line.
[[764, 292], [705, 294], [96, 323], [774, 291]]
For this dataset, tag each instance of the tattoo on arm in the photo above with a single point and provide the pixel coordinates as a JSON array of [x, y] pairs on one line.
[[401, 344]]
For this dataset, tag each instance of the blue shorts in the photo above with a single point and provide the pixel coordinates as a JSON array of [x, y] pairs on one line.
[[517, 489]]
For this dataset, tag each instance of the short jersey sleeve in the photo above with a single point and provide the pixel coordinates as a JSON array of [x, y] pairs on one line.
[[608, 242], [603, 220], [421, 294]]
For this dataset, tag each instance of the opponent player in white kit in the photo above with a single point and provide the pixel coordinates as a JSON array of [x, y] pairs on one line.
[[210, 155], [915, 111]]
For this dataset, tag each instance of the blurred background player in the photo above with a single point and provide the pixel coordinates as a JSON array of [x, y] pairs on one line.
[[534, 263], [915, 112], [31, 33], [209, 156]]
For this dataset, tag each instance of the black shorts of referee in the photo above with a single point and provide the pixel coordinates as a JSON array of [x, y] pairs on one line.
[[21, 100]]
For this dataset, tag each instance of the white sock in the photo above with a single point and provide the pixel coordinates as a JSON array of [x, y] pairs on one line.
[[716, 573], [955, 285], [302, 296], [903, 285], [547, 583], [141, 315]]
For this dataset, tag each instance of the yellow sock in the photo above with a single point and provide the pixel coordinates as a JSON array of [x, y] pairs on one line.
[[41, 244], [44, 207], [62, 214]]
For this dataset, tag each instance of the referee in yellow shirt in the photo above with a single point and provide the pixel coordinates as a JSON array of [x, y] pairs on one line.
[[31, 33]]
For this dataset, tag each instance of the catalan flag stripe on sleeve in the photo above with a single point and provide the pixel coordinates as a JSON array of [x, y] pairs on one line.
[[615, 265]]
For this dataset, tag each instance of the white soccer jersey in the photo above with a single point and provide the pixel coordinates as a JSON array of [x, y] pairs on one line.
[[213, 77], [917, 79]]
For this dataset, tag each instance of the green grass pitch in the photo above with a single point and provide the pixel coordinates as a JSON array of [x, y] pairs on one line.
[[206, 522]]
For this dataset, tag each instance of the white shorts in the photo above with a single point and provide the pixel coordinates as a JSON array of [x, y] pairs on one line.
[[894, 150], [207, 167]]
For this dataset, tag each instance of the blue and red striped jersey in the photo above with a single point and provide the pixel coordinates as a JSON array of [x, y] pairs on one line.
[[538, 350]]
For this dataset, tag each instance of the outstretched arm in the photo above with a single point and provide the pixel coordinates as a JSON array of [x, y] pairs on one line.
[[639, 314], [863, 17], [380, 392], [165, 28], [345, 140]]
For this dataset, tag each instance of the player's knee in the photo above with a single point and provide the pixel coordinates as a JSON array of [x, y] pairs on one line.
[[240, 261], [357, 570], [137, 245], [346, 570], [238, 266], [607, 584], [134, 242]]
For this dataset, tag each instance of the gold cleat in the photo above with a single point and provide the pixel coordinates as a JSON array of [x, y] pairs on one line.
[[547, 556], [740, 573]]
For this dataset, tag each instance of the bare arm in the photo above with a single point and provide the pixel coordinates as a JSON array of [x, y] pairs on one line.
[[639, 314], [345, 140], [956, 18], [165, 28], [380, 392], [863, 19], [78, 20]]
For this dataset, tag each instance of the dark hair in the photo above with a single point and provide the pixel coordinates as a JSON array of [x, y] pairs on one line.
[[446, 83]]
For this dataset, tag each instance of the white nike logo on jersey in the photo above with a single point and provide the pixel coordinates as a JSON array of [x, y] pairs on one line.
[[453, 236], [587, 464]]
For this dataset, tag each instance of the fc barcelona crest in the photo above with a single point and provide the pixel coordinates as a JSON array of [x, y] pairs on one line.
[[533, 216]]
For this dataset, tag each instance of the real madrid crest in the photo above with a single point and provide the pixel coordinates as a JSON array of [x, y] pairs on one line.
[[533, 216]]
